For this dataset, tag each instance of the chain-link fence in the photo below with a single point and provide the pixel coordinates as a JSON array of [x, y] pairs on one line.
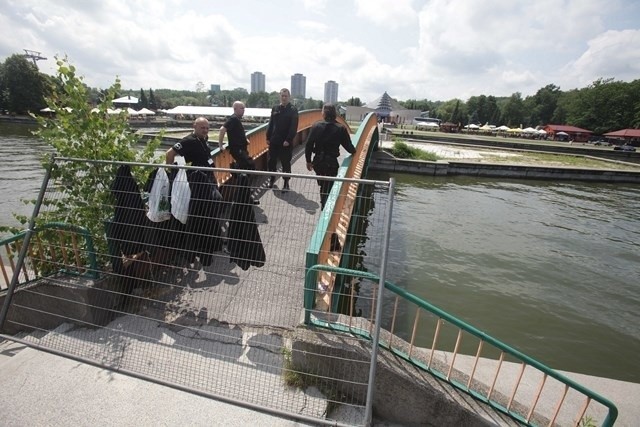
[[201, 287]]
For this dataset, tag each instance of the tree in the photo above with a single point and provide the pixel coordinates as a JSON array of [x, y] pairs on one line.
[[153, 104], [258, 100], [22, 85], [143, 102], [542, 105], [513, 111], [78, 132], [354, 102]]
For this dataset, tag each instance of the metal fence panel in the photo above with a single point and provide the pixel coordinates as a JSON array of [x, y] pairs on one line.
[[214, 305]]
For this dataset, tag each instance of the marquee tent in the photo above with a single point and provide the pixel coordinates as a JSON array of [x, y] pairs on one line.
[[126, 100], [187, 110]]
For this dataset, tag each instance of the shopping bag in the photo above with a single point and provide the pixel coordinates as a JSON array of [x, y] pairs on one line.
[[180, 197], [159, 206]]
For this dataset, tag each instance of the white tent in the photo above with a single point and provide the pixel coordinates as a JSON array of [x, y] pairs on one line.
[[132, 112], [126, 100], [187, 110], [427, 125], [145, 112]]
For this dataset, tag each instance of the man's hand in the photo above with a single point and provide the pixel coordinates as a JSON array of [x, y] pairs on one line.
[[309, 166]]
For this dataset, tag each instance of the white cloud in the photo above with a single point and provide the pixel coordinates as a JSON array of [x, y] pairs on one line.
[[313, 26], [434, 49], [386, 14], [612, 54]]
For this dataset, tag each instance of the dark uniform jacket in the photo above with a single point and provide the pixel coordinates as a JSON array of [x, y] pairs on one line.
[[194, 150], [325, 140], [283, 124]]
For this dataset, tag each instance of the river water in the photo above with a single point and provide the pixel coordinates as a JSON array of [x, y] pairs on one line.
[[551, 269]]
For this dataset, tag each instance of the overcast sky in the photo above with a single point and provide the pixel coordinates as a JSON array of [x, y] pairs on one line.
[[412, 49]]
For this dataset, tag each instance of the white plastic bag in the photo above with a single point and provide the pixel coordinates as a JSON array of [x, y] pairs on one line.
[[180, 197], [159, 206]]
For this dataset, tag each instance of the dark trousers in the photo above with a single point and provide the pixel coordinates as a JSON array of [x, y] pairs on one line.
[[279, 152], [325, 166], [242, 158]]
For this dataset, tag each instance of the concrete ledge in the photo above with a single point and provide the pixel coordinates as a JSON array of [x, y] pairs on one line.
[[60, 299], [383, 161], [403, 394]]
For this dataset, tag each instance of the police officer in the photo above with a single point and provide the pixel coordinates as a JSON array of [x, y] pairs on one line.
[[325, 139]]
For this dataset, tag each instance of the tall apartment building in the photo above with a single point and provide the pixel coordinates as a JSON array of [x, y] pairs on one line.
[[257, 82], [298, 86], [214, 88], [330, 92]]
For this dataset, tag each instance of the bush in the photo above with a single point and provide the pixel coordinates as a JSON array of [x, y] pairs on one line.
[[77, 131], [403, 151]]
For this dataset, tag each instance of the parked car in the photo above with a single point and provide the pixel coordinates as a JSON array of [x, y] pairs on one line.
[[624, 147]]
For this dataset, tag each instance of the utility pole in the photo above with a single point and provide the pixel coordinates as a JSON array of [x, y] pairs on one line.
[[33, 55]]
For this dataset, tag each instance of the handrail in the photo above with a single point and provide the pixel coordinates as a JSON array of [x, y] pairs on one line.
[[258, 142], [91, 268], [338, 211], [484, 337]]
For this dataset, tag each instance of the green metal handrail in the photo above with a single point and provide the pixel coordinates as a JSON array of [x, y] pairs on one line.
[[311, 277], [92, 269]]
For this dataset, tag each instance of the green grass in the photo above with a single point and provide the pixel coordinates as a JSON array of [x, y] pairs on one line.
[[403, 151]]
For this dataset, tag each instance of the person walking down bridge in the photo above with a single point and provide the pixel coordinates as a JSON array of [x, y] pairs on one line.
[[283, 126], [325, 139]]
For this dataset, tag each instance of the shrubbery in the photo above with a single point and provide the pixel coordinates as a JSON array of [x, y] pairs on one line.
[[402, 150]]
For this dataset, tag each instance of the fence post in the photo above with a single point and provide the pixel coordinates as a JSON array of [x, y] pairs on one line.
[[378, 320], [25, 245]]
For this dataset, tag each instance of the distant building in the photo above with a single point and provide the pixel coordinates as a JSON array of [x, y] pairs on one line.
[[215, 89], [257, 82], [298, 86], [330, 92], [386, 108]]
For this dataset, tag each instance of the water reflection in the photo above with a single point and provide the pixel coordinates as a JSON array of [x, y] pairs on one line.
[[550, 268]]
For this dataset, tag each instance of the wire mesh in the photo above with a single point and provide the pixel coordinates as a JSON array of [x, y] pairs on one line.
[[211, 303]]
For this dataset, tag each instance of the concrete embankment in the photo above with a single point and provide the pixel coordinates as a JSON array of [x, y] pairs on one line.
[[383, 161]]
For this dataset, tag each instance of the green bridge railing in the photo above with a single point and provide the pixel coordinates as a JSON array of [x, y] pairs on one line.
[[527, 408], [465, 357]]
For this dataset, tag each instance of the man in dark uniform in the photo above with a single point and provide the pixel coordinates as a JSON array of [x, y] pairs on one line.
[[238, 141], [237, 138], [194, 147], [325, 139], [196, 151], [283, 126]]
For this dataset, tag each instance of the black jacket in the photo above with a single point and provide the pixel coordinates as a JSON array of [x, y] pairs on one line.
[[283, 124], [327, 137]]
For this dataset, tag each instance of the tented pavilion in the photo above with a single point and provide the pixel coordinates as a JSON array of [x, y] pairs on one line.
[[628, 135], [572, 132]]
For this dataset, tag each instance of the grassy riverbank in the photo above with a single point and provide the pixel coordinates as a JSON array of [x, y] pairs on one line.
[[437, 150]]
